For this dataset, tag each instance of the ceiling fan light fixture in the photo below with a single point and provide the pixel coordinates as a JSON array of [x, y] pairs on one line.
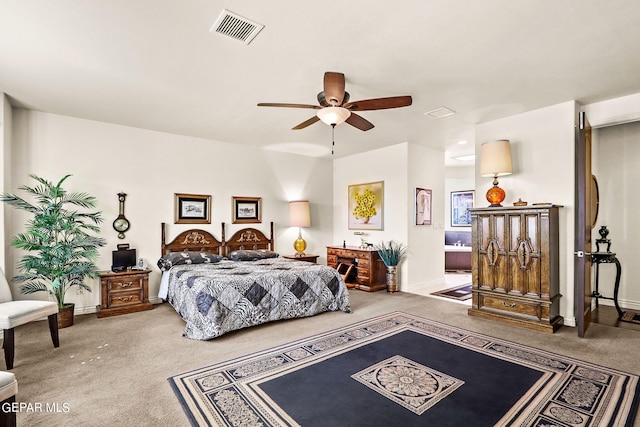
[[333, 116]]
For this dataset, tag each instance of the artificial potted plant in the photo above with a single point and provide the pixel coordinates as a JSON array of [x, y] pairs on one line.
[[59, 240], [392, 254]]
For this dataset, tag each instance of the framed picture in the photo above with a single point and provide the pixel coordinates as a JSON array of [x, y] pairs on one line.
[[423, 206], [247, 210], [460, 202], [192, 209], [366, 206]]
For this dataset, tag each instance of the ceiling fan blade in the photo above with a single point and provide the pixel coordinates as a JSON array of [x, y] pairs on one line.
[[275, 104], [359, 122], [379, 103], [334, 87], [306, 123]]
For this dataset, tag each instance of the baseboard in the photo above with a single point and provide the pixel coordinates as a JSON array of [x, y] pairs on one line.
[[624, 304], [84, 310], [92, 309]]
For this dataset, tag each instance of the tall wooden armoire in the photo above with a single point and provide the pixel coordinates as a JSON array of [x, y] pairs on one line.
[[515, 265]]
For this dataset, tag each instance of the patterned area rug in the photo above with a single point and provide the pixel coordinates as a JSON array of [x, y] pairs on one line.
[[461, 292], [400, 369]]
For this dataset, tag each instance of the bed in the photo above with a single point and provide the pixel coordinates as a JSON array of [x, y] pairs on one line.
[[218, 286]]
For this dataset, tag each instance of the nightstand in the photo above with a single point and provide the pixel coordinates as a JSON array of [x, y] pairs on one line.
[[305, 257], [124, 292]]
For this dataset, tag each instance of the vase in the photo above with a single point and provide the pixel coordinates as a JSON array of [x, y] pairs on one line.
[[392, 278], [366, 219], [65, 316]]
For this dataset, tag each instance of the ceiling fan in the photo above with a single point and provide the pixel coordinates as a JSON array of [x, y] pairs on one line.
[[335, 107]]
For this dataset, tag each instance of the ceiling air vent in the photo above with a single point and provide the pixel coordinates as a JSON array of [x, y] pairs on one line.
[[237, 27], [440, 113]]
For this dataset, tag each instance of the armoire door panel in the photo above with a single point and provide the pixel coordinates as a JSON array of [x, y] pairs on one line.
[[532, 231]]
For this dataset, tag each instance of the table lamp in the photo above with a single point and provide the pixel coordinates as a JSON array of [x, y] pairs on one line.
[[299, 216], [495, 161]]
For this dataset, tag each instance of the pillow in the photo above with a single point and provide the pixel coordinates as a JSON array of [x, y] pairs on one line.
[[188, 257], [251, 255]]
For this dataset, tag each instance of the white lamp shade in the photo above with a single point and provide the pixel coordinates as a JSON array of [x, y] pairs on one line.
[[333, 115], [495, 158], [299, 215]]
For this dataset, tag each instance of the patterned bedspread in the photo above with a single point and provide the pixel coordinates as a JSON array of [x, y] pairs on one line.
[[217, 298]]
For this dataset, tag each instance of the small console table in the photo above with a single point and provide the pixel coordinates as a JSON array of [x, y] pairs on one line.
[[598, 258], [606, 257]]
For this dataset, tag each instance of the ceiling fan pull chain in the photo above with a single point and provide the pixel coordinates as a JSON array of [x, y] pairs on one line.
[[333, 137]]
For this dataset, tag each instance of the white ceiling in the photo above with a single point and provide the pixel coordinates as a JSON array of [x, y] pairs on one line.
[[154, 64]]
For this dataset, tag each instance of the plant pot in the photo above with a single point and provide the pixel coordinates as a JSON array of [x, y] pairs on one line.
[[392, 278], [65, 316]]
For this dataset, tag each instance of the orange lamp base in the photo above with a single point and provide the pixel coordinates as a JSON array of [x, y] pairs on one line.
[[495, 196]]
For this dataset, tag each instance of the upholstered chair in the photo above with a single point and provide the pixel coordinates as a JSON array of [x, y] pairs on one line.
[[16, 313], [8, 390]]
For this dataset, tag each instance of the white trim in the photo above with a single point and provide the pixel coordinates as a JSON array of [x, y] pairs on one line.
[[616, 111]]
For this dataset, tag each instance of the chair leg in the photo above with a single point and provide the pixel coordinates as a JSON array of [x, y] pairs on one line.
[[7, 414], [53, 328], [8, 346]]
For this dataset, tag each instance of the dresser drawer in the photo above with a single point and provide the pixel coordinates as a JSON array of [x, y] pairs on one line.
[[346, 253], [363, 277], [332, 260], [124, 283], [364, 263], [125, 298], [497, 302]]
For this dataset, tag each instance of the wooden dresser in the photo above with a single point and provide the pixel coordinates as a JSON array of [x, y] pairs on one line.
[[370, 272], [124, 292], [515, 266]]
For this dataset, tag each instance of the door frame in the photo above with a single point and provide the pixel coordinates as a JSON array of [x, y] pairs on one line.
[[583, 226]]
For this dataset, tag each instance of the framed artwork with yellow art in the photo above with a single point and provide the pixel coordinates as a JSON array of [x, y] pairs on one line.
[[366, 206]]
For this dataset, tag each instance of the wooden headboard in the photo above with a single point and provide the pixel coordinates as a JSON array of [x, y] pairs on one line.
[[191, 240], [247, 238], [201, 240]]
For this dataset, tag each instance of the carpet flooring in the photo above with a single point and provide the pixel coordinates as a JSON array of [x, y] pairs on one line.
[[400, 369], [114, 370]]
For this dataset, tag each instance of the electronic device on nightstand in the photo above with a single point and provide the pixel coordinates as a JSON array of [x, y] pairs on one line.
[[123, 259], [142, 265]]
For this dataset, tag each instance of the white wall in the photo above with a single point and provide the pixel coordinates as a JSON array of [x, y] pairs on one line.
[[150, 167], [617, 156], [542, 150], [387, 164], [402, 167], [5, 171], [426, 262], [460, 178]]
